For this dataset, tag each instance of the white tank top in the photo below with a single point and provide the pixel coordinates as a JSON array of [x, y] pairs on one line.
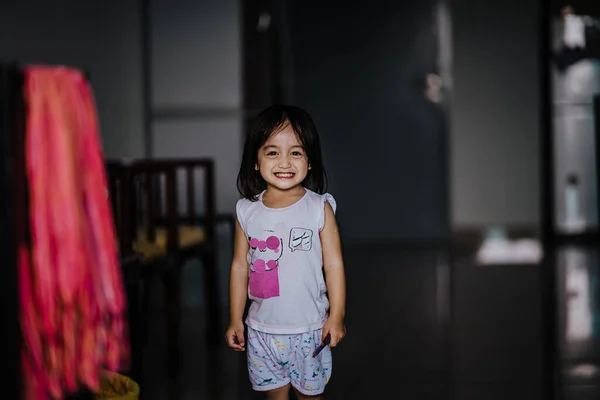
[[285, 283]]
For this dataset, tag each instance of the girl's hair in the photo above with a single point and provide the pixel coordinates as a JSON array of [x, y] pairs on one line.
[[271, 120]]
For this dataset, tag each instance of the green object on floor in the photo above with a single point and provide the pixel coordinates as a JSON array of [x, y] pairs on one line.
[[114, 386]]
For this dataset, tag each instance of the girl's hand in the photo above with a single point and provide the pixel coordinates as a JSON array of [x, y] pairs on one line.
[[235, 336], [335, 328]]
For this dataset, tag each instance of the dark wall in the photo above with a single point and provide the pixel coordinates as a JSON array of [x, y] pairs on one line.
[[587, 7], [354, 74], [496, 106], [359, 71]]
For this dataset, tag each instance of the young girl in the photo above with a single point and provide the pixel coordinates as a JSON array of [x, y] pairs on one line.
[[286, 234]]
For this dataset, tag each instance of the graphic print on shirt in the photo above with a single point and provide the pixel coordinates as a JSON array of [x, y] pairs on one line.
[[264, 267], [300, 239]]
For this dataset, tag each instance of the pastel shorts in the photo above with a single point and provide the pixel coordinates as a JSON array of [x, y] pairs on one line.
[[277, 360]]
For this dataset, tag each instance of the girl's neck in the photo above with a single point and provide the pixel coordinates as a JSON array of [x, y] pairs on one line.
[[275, 198]]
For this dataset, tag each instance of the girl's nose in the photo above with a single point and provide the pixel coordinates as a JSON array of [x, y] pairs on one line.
[[284, 162]]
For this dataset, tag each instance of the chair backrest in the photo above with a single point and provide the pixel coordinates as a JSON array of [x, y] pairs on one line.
[[122, 204], [137, 192]]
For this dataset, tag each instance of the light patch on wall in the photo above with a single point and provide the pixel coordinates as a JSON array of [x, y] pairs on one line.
[[264, 22]]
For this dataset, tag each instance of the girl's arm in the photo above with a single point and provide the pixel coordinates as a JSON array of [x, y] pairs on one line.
[[335, 278], [238, 290]]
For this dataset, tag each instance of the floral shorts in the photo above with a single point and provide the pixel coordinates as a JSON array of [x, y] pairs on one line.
[[277, 360]]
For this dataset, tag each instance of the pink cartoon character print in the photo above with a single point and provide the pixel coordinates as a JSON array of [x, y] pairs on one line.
[[263, 282]]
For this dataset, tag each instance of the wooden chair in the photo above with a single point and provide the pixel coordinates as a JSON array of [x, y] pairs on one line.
[[130, 268], [166, 240]]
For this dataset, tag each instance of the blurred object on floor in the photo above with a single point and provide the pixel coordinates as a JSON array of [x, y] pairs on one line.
[[117, 387], [497, 248]]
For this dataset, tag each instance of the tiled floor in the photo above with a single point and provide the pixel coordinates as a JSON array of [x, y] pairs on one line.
[[420, 326]]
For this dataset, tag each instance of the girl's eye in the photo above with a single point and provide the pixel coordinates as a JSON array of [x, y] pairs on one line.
[[297, 154], [272, 153]]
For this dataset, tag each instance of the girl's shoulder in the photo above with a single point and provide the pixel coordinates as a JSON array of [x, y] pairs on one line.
[[243, 205], [313, 199], [243, 208], [318, 200], [321, 199], [317, 206]]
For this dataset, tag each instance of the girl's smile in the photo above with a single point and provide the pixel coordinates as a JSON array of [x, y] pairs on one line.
[[285, 175]]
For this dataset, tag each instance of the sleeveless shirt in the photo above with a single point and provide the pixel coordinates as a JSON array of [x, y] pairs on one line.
[[286, 286]]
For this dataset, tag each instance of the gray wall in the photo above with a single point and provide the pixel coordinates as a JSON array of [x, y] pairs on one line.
[[495, 114], [100, 37], [362, 79], [196, 64]]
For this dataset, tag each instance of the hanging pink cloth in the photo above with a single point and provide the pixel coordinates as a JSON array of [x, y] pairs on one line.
[[72, 298]]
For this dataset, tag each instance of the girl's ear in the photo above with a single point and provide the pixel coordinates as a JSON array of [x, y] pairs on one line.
[[256, 167]]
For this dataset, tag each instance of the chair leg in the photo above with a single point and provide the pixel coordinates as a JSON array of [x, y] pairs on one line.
[[135, 331], [172, 282], [212, 300], [147, 287]]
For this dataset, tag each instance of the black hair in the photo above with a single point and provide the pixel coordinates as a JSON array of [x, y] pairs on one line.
[[249, 181]]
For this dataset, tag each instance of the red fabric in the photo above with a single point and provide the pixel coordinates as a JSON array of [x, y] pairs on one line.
[[72, 297]]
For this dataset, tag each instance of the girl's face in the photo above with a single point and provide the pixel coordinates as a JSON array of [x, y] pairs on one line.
[[282, 161]]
